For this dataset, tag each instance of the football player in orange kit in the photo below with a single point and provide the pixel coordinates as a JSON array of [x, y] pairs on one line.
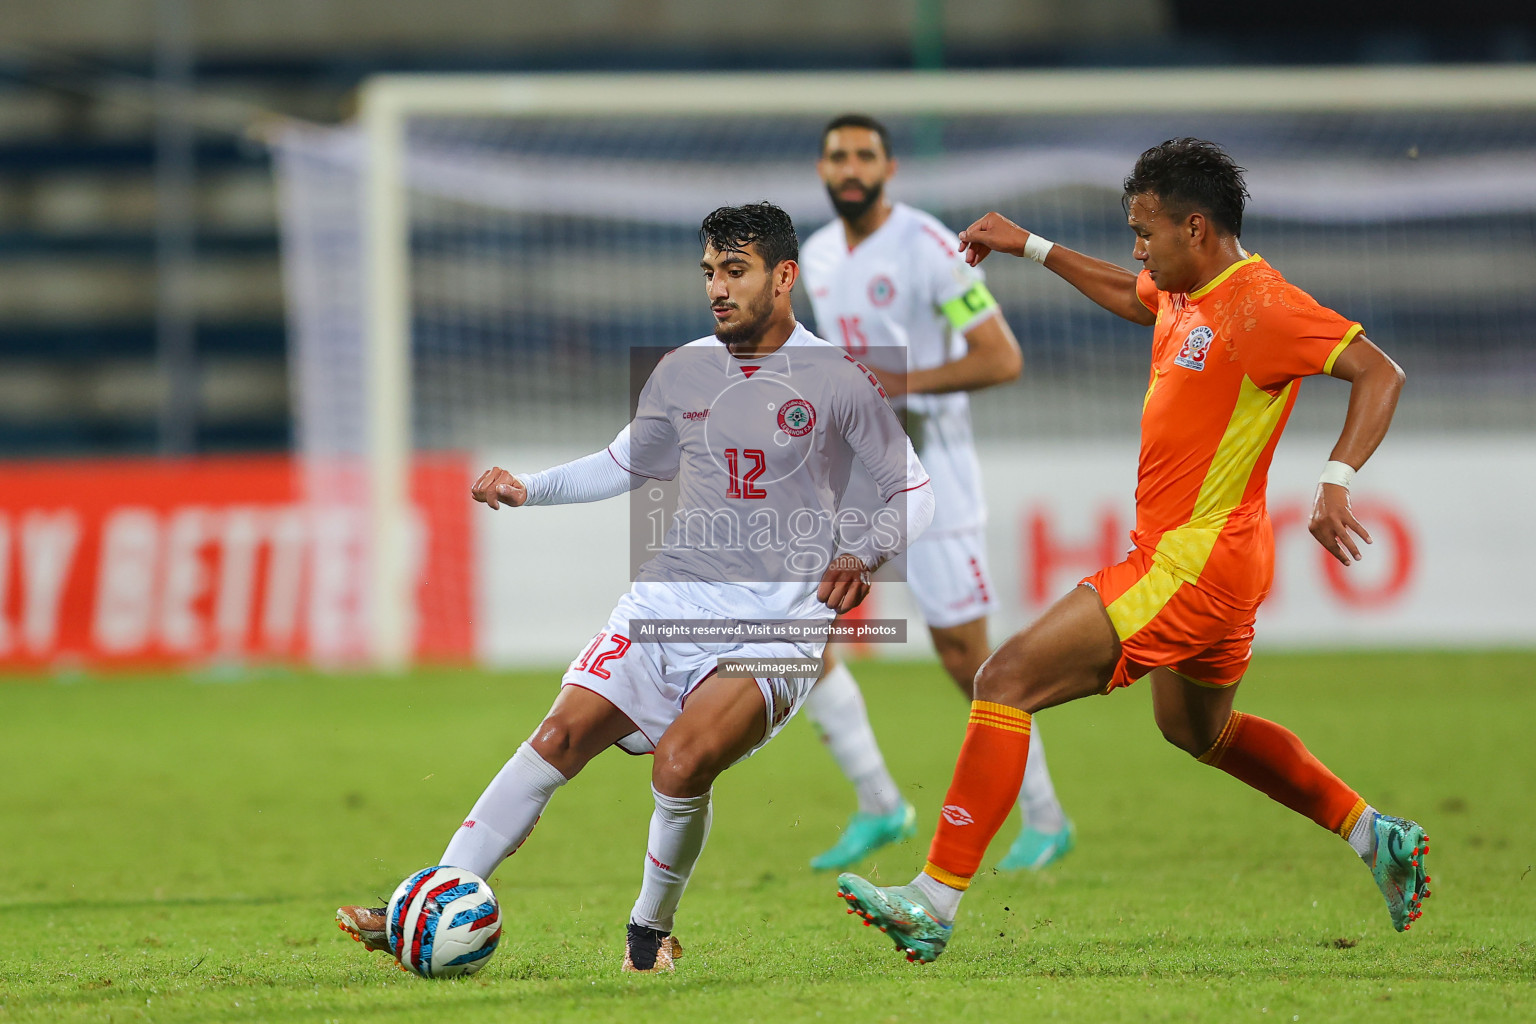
[[1231, 340]]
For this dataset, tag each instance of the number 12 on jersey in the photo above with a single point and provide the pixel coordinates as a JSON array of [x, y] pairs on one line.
[[745, 486]]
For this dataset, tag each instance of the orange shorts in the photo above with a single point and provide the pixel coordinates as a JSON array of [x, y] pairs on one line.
[[1164, 622]]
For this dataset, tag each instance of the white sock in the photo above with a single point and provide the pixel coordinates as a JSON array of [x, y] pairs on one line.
[[679, 827], [505, 813], [1362, 837], [1037, 797], [836, 708], [944, 899]]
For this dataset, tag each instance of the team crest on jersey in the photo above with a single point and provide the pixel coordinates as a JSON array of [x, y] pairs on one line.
[[882, 291], [797, 417], [1192, 355]]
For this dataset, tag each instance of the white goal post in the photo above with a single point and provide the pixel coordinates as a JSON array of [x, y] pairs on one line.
[[388, 103]]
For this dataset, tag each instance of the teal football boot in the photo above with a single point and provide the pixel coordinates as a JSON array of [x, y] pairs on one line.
[[901, 912], [1034, 849], [865, 834], [1398, 847]]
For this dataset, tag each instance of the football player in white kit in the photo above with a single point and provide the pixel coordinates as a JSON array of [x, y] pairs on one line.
[[758, 426], [887, 282]]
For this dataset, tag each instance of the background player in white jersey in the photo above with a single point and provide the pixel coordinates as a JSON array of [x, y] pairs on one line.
[[759, 427], [887, 282]]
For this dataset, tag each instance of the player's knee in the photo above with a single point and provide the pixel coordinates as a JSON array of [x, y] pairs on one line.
[[1002, 680], [560, 742], [684, 769], [1181, 733]]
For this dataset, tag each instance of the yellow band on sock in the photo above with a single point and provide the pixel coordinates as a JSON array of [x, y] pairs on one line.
[[949, 878], [1007, 725], [999, 716], [1352, 817], [1213, 755], [1000, 709]]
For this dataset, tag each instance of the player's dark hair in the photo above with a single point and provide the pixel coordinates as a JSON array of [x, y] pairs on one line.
[[1192, 174], [857, 121], [733, 228]]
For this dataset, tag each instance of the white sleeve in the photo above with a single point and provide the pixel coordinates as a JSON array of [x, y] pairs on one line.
[[646, 449], [875, 435], [904, 517], [921, 503], [590, 478], [649, 446]]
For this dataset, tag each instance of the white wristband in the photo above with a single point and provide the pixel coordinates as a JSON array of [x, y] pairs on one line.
[[1341, 473], [1037, 248]]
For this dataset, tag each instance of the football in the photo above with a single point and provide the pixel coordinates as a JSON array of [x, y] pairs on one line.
[[443, 922]]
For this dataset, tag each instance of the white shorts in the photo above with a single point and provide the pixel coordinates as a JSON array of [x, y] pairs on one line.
[[650, 682], [949, 579]]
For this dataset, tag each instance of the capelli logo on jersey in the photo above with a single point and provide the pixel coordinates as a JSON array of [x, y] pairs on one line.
[[702, 414], [882, 291], [1198, 343]]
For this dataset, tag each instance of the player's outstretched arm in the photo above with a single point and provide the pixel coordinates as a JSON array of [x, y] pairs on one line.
[[590, 478], [1375, 383], [1108, 284]]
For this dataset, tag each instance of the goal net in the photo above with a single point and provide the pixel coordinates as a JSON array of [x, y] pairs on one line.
[[471, 263]]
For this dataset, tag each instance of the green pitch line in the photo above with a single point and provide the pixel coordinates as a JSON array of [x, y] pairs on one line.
[[173, 850]]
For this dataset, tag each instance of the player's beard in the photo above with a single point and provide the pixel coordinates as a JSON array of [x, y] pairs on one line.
[[853, 209], [749, 326]]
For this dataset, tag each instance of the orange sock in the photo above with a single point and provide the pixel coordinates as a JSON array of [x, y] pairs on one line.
[[985, 786], [1273, 761]]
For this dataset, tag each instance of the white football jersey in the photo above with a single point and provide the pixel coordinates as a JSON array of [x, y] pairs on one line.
[[907, 287], [761, 451]]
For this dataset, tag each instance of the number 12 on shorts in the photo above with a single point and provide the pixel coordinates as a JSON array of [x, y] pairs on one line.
[[620, 645]]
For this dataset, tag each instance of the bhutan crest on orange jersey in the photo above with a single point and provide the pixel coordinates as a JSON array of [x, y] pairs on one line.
[[1196, 346]]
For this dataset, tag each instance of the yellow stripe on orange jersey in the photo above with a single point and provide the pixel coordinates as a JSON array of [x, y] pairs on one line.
[[1226, 362]]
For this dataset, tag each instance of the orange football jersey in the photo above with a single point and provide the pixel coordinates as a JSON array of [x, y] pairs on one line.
[[1226, 363]]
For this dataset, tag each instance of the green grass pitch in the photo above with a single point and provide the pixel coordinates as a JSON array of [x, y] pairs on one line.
[[173, 850]]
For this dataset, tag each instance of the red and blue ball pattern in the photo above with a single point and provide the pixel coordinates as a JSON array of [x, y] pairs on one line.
[[443, 922]]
